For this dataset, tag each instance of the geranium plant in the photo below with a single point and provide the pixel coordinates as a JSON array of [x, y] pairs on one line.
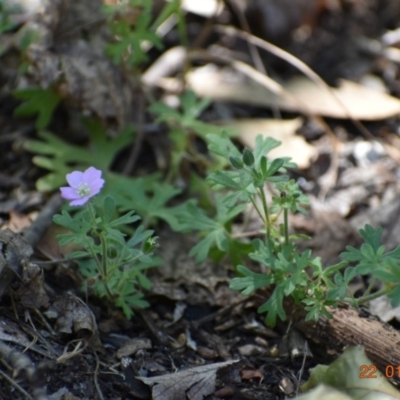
[[112, 265], [256, 180]]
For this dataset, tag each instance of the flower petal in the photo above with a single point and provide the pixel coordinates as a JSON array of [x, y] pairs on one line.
[[79, 202], [91, 174], [74, 178], [68, 193], [95, 186]]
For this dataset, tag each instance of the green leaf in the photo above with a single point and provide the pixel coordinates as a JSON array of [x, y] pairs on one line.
[[275, 166], [126, 219], [263, 165], [250, 281], [42, 102], [169, 9], [107, 210], [201, 250], [60, 155], [248, 157], [372, 236], [222, 178], [221, 145], [274, 307], [213, 230], [144, 281], [394, 296], [263, 146], [66, 220], [6, 11], [351, 255], [236, 162], [139, 236], [192, 108], [149, 198]]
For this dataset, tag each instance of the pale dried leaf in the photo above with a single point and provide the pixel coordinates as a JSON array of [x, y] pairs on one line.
[[299, 94], [204, 8], [356, 100], [383, 308]]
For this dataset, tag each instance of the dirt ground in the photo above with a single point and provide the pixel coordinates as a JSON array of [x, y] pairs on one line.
[[203, 339]]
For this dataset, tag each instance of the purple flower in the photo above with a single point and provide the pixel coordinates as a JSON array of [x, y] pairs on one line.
[[82, 186]]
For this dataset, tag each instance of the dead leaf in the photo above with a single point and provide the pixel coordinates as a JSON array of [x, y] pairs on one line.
[[299, 94], [32, 292], [182, 279], [190, 384], [73, 315], [11, 332], [132, 346], [18, 221], [356, 100], [248, 374], [382, 307], [14, 253], [204, 8]]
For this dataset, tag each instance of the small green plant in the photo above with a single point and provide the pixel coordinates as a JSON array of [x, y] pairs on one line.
[[112, 266], [184, 128], [134, 30], [5, 12], [284, 269], [57, 156], [38, 101]]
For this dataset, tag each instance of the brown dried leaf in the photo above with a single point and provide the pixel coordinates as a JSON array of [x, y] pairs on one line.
[[181, 278], [32, 292], [18, 221], [132, 346], [73, 315], [14, 252], [190, 384]]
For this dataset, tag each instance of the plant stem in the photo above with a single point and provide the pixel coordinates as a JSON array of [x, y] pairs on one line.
[[366, 299], [370, 286], [286, 225], [102, 266], [266, 212], [258, 210]]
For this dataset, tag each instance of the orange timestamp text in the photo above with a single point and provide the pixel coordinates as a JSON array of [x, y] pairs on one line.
[[372, 372]]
